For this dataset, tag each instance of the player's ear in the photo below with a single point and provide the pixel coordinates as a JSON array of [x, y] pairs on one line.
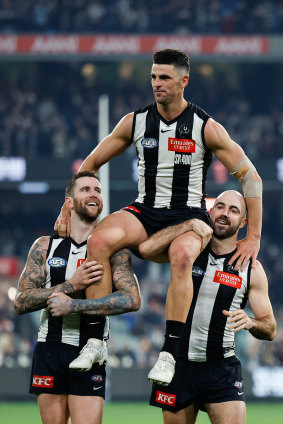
[[69, 202], [244, 222], [185, 80]]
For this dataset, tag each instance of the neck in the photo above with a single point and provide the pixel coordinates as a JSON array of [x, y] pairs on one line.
[[81, 230], [172, 110], [223, 246]]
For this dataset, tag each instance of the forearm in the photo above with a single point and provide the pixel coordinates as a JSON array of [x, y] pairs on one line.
[[34, 299], [254, 206], [263, 328], [160, 241], [115, 304]]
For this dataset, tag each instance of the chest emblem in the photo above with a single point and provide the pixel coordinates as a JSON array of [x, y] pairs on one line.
[[231, 280], [181, 145], [57, 262], [149, 143], [197, 272]]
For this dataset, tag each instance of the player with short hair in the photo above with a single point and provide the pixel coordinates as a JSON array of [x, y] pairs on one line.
[[175, 142], [57, 266], [208, 374]]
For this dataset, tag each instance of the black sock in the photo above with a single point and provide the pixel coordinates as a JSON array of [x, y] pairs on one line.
[[174, 330], [94, 326]]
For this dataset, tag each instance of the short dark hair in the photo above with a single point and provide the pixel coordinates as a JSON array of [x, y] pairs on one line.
[[172, 57], [70, 187]]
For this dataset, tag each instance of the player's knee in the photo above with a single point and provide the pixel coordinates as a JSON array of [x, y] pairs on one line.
[[145, 249], [181, 257], [98, 245]]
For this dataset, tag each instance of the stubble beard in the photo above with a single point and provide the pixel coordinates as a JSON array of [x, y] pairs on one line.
[[84, 214]]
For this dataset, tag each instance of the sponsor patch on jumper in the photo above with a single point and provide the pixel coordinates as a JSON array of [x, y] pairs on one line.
[[149, 143], [57, 262], [231, 280], [181, 145], [80, 262], [197, 272], [43, 381], [131, 208]]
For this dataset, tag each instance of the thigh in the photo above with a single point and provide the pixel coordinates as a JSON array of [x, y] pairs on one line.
[[53, 408], [233, 412], [122, 229], [86, 409], [187, 415]]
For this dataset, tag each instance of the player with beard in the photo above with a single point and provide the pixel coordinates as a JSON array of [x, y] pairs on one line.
[[208, 374], [56, 267]]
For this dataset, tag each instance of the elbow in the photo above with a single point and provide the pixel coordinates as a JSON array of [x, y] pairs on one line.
[[272, 333], [134, 304], [18, 307]]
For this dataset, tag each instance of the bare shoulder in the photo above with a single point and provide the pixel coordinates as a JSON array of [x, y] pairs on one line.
[[258, 275], [125, 125], [215, 133], [39, 247]]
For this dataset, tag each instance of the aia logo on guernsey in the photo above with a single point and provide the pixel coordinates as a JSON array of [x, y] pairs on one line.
[[165, 398], [181, 145], [231, 280], [80, 262], [42, 381]]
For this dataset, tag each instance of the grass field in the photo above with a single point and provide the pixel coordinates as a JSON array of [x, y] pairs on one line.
[[137, 413]]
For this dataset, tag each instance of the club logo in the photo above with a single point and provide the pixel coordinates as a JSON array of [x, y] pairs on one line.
[[57, 262], [197, 272], [149, 143]]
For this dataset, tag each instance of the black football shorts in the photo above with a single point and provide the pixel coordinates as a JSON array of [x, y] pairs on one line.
[[200, 382], [154, 219], [50, 372]]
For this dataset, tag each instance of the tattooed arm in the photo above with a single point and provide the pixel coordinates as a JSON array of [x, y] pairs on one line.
[[126, 298], [32, 296]]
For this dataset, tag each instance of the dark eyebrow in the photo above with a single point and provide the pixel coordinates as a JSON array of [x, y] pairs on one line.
[[232, 206]]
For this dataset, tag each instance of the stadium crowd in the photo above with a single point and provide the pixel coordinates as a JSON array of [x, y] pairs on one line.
[[142, 16], [51, 109]]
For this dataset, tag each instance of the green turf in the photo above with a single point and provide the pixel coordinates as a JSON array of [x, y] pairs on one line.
[[137, 413]]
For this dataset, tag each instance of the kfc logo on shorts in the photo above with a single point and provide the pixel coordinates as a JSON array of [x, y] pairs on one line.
[[165, 398], [42, 381], [80, 262]]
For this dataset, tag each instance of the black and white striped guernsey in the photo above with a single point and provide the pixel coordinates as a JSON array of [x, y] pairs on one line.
[[217, 286], [172, 157], [63, 258]]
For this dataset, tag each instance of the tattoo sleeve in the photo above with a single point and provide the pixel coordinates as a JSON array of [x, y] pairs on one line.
[[31, 295], [126, 298]]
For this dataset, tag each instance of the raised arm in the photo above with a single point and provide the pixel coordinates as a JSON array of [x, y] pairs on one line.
[[32, 296], [126, 298], [112, 145], [234, 159], [263, 324]]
